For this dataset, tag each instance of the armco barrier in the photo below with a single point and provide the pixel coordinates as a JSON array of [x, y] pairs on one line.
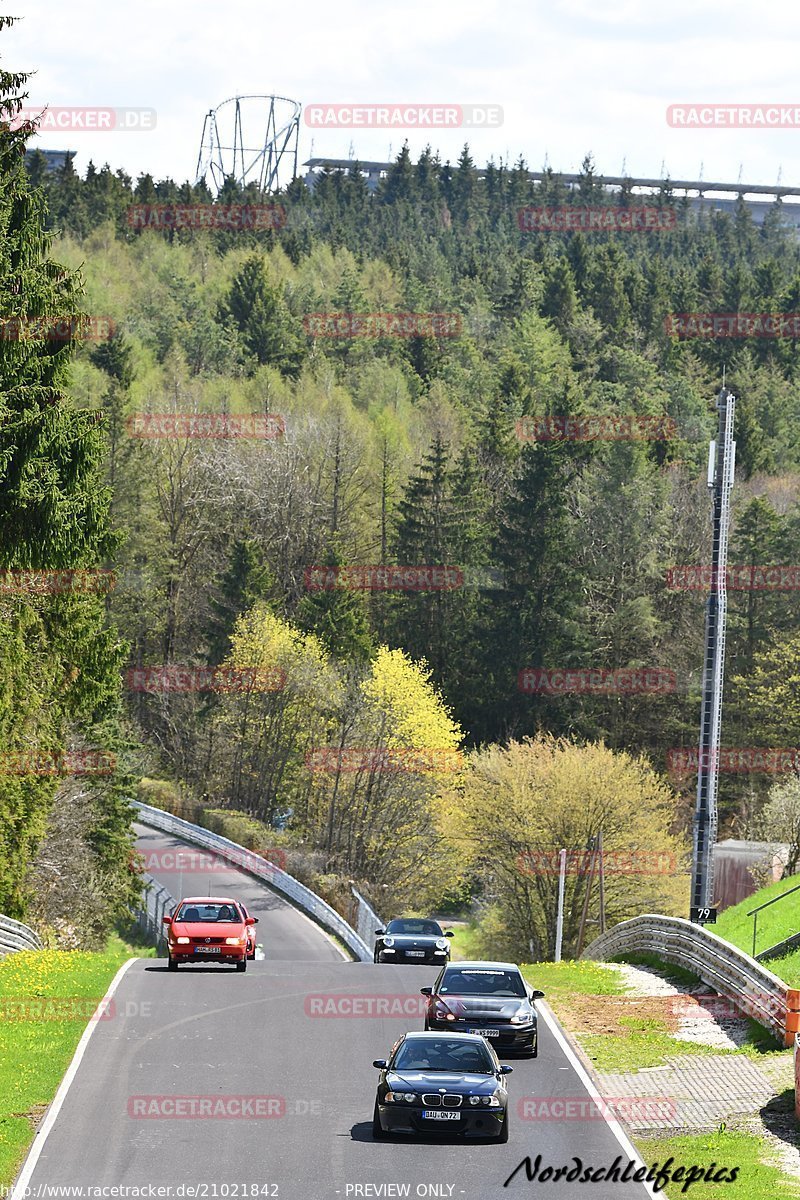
[[156, 903], [250, 862], [15, 936], [751, 988]]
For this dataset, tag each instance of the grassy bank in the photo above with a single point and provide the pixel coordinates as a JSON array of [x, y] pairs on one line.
[[46, 1000]]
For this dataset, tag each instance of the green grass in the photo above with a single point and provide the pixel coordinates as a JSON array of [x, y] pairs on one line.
[[559, 981], [727, 1148], [35, 1052], [775, 923]]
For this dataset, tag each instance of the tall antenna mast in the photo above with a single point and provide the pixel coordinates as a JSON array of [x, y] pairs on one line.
[[721, 463]]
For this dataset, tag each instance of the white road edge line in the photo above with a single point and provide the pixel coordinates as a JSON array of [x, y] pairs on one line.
[[42, 1133], [615, 1127], [319, 928]]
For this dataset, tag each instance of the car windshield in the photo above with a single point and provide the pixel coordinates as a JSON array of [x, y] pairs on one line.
[[203, 913], [425, 928], [443, 1054], [483, 982]]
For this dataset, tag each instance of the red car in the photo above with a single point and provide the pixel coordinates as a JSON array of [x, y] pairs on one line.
[[252, 936], [208, 929]]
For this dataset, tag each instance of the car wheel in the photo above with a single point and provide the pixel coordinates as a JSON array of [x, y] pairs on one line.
[[378, 1133], [172, 963], [503, 1134], [242, 966]]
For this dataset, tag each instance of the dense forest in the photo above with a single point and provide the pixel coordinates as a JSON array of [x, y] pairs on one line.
[[249, 553]]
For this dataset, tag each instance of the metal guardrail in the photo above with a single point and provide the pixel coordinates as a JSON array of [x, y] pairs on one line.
[[367, 920], [156, 903], [752, 989], [15, 936], [247, 860]]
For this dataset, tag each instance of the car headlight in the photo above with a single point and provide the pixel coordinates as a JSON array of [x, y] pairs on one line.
[[491, 1101], [444, 1014], [441, 944], [399, 1097], [388, 941], [474, 1099], [522, 1018], [182, 941], [240, 941]]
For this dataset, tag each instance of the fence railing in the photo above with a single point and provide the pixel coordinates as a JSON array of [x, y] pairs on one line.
[[751, 988], [15, 936], [156, 903], [367, 920], [260, 868]]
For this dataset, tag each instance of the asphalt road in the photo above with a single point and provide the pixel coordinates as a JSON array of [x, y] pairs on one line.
[[207, 1031]]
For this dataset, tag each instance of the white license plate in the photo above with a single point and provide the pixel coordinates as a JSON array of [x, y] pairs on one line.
[[206, 950], [436, 1114], [485, 1032], [415, 953]]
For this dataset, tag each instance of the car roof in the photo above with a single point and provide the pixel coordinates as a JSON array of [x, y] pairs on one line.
[[207, 900], [475, 965], [418, 1036]]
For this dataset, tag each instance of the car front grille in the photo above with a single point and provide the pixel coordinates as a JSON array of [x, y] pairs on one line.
[[435, 1100], [201, 941]]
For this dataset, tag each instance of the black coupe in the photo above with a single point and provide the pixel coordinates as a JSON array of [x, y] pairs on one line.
[[412, 940], [450, 1083]]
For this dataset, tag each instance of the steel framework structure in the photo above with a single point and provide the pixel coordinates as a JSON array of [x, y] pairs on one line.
[[251, 139], [721, 462]]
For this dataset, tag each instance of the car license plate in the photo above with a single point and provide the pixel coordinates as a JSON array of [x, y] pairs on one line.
[[206, 949], [485, 1032], [436, 1114], [415, 953]]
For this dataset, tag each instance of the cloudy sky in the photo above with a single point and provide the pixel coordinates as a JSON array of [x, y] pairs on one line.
[[570, 76]]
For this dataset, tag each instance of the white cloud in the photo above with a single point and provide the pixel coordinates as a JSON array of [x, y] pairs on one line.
[[571, 77]]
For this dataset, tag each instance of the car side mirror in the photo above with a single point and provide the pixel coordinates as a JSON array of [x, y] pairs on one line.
[[505, 1069], [378, 932], [167, 920], [449, 933], [251, 921], [380, 1063], [426, 991], [537, 995]]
